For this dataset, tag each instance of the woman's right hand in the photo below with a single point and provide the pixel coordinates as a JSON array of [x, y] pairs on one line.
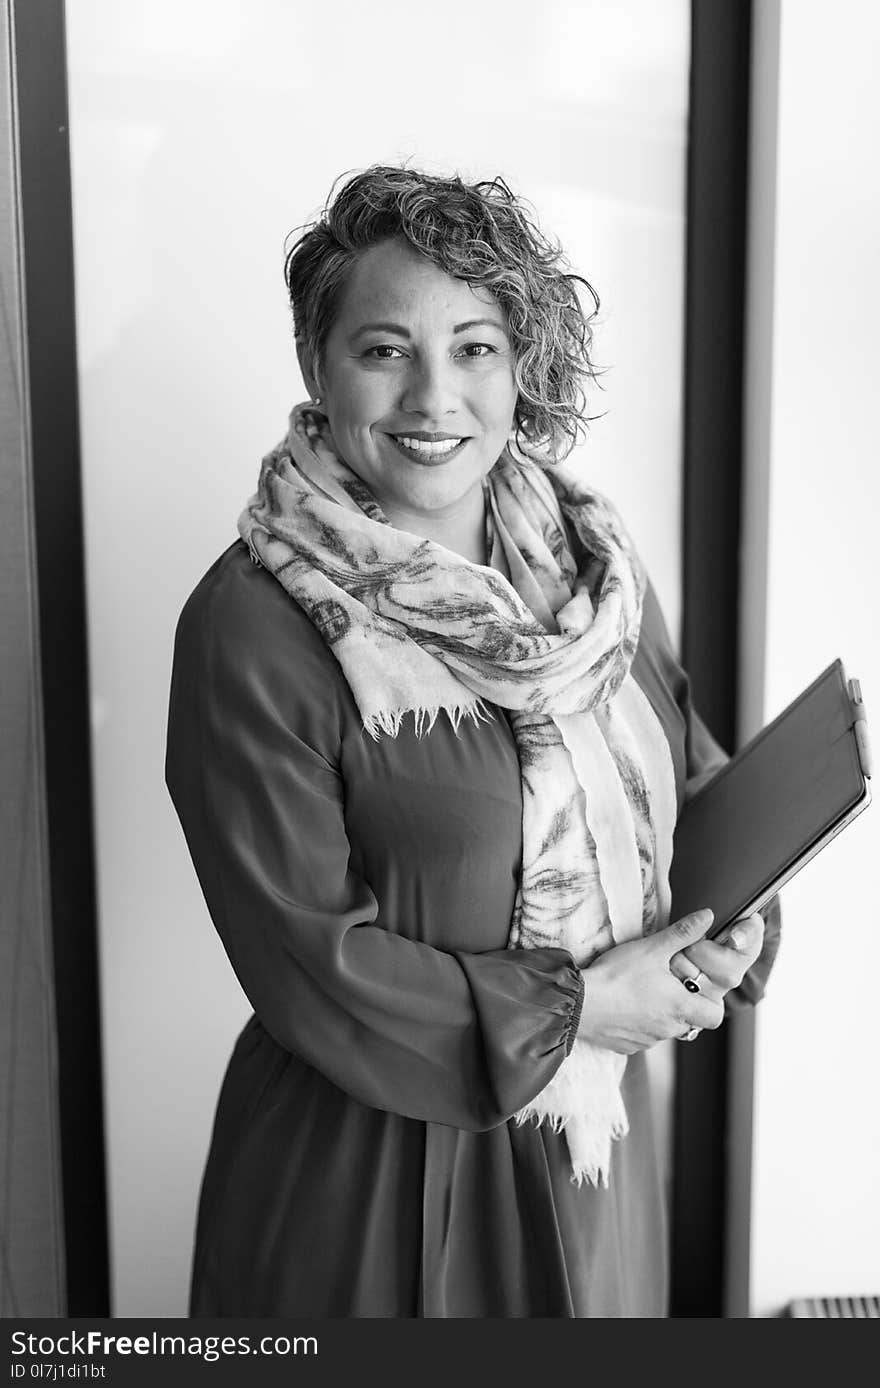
[[632, 1000]]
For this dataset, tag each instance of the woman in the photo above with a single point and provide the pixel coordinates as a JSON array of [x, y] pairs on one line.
[[428, 750]]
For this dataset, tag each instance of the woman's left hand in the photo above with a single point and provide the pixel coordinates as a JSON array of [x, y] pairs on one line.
[[720, 965]]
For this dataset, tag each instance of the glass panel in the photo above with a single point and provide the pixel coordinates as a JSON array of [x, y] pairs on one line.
[[202, 132]]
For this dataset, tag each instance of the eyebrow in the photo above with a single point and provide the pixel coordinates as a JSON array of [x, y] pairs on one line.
[[404, 332]]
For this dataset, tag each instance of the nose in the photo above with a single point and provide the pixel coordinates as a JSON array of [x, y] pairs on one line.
[[430, 389]]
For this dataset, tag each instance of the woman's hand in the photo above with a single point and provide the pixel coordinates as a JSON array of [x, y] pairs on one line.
[[633, 999], [721, 964]]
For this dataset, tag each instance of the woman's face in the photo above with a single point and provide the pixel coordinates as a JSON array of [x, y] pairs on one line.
[[412, 352]]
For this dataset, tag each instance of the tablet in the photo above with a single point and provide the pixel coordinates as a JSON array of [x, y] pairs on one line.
[[775, 804]]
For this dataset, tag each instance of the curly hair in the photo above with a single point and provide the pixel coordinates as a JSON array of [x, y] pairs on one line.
[[480, 233]]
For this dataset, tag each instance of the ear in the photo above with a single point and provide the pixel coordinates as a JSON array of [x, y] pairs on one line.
[[306, 366]]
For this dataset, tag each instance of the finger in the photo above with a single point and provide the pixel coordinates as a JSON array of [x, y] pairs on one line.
[[744, 935], [690, 969], [747, 933], [723, 966], [699, 1011], [683, 932]]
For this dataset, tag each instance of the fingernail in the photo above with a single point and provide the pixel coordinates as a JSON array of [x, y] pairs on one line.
[[737, 939]]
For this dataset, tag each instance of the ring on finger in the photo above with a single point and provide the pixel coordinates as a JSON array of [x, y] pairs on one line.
[[690, 1035], [693, 984]]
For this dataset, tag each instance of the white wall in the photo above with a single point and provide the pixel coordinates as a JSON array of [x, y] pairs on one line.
[[202, 132], [816, 1210]]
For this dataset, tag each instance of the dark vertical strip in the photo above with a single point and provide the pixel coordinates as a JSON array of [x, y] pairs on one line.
[[31, 1208], [738, 1207], [46, 219], [709, 1148]]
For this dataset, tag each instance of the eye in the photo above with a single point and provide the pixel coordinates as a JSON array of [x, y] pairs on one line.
[[485, 348], [382, 347]]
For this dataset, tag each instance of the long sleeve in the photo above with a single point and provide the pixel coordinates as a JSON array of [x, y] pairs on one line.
[[449, 1037]]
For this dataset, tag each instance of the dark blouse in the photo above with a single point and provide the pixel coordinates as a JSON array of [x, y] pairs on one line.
[[363, 1160]]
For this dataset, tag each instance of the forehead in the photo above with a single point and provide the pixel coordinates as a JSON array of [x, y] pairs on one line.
[[391, 279]]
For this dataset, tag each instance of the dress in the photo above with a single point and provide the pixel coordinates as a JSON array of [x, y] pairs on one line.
[[363, 1160]]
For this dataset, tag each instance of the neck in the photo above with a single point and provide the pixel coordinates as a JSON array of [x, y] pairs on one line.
[[463, 531]]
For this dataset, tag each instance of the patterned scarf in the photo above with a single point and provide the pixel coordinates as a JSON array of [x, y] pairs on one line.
[[547, 632]]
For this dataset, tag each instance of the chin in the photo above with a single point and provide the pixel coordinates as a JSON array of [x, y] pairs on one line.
[[433, 499]]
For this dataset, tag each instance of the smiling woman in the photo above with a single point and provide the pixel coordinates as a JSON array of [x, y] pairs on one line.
[[419, 409], [428, 751]]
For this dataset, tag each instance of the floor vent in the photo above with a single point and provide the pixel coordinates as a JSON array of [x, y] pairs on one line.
[[836, 1307]]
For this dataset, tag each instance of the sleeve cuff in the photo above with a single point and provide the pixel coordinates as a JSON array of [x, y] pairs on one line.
[[574, 1016]]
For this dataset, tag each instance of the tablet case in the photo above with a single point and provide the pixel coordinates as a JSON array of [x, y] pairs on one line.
[[775, 804]]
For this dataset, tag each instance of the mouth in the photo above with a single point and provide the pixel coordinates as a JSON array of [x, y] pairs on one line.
[[428, 454]]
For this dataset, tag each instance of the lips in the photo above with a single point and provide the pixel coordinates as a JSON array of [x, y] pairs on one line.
[[426, 455]]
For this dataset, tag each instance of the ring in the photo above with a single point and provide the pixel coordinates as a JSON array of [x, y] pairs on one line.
[[693, 984], [690, 1035]]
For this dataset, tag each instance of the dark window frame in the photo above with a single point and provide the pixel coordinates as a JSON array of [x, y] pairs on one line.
[[712, 1127], [40, 62]]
